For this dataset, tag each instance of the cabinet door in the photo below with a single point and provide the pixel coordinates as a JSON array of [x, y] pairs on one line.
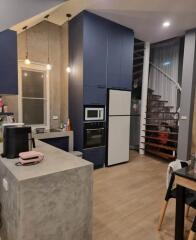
[[114, 55], [95, 50], [120, 57], [96, 156], [94, 95], [61, 142], [127, 59], [8, 63]]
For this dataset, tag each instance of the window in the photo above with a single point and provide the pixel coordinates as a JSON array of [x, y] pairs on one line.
[[34, 95]]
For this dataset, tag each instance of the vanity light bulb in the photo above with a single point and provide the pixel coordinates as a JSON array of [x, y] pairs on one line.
[[48, 66], [27, 61], [68, 69]]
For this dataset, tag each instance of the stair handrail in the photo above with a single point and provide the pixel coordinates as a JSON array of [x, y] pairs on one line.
[[167, 75]]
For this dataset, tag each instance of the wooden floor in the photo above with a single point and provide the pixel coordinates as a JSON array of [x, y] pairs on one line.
[[127, 200]]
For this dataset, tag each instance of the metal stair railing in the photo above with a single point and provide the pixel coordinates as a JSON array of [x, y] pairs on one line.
[[167, 75]]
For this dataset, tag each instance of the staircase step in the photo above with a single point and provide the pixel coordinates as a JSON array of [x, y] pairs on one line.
[[158, 139], [159, 125], [156, 97], [161, 154], [134, 73], [160, 146], [138, 44], [157, 100], [161, 118], [138, 65], [156, 131], [164, 108], [165, 112], [139, 51], [138, 58]]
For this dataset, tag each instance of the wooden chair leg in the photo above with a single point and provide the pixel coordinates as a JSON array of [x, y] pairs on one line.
[[162, 214], [187, 211], [191, 235]]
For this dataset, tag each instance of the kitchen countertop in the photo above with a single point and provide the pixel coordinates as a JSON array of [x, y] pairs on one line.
[[51, 200], [55, 160], [56, 134]]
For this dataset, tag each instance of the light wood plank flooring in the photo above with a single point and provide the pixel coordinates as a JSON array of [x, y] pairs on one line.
[[127, 201]]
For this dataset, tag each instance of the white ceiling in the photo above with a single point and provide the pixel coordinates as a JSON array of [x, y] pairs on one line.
[[15, 11], [145, 17]]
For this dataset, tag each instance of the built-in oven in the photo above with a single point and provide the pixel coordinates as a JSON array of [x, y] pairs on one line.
[[94, 134], [94, 113]]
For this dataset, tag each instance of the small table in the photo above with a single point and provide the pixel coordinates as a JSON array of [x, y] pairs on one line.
[[185, 178]]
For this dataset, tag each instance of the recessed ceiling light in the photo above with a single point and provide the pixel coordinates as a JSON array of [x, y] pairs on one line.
[[166, 24]]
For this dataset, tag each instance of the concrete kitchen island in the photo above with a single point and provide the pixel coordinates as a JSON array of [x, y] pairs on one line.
[[48, 201]]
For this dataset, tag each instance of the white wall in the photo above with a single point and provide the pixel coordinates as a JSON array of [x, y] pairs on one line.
[[15, 11]]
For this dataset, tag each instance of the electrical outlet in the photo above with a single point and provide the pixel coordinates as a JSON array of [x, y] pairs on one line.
[[55, 117], [5, 184]]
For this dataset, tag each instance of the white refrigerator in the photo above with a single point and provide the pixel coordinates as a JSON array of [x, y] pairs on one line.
[[119, 107]]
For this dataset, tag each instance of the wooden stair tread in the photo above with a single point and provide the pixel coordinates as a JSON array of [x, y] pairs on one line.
[[162, 119], [155, 95], [156, 131], [158, 100], [138, 58], [138, 51], [138, 65], [165, 112], [161, 154], [134, 73], [158, 138], [139, 43], [158, 125], [160, 146], [161, 106]]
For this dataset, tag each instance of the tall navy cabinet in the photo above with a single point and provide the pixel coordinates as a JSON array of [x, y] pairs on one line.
[[101, 57], [8, 62]]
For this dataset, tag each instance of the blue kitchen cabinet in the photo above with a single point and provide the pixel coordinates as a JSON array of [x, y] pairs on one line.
[[120, 57], [95, 155], [8, 62], [95, 50], [60, 142], [101, 55], [94, 95], [114, 56], [127, 59]]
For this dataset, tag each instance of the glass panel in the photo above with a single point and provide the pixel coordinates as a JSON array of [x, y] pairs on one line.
[[94, 137], [33, 84], [92, 113], [33, 111]]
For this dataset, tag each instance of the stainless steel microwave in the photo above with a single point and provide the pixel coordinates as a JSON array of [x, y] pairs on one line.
[[94, 113]]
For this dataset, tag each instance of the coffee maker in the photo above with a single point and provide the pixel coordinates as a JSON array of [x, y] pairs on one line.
[[17, 139]]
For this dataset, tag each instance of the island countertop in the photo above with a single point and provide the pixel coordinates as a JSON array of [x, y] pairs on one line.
[[48, 201], [55, 160]]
